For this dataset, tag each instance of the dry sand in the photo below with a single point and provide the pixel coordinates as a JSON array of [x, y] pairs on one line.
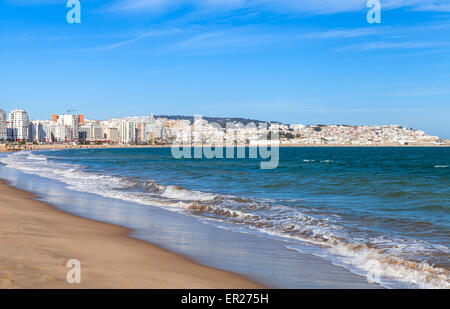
[[37, 240]]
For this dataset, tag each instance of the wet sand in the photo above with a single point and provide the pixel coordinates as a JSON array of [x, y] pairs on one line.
[[37, 240], [9, 148]]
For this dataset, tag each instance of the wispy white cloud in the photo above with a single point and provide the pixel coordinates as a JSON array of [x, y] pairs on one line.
[[341, 33], [381, 37], [420, 92], [42, 2], [252, 36], [304, 6], [153, 33], [153, 5], [436, 6], [224, 40], [379, 45], [35, 2]]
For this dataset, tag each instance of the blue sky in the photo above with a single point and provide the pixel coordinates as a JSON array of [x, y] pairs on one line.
[[296, 61]]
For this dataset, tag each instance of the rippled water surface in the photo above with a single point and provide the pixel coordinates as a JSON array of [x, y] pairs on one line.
[[382, 211]]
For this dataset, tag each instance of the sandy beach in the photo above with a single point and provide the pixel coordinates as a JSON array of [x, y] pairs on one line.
[[37, 240]]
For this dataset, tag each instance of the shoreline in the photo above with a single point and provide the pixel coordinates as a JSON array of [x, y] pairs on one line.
[[248, 255], [180, 234], [56, 147], [33, 257]]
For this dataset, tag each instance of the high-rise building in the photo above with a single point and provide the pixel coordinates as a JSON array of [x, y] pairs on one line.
[[62, 133], [48, 131], [92, 132], [72, 122], [3, 134], [112, 135], [128, 131], [36, 131], [18, 123], [97, 132], [84, 133]]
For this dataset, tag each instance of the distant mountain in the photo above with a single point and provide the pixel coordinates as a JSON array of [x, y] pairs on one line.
[[222, 121]]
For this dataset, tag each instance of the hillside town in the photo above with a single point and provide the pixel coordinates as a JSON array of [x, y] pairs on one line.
[[74, 129]]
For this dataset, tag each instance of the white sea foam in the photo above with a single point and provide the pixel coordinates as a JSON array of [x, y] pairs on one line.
[[178, 193]]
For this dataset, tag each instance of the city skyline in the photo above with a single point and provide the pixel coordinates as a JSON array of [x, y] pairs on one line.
[[75, 129], [293, 61], [51, 116]]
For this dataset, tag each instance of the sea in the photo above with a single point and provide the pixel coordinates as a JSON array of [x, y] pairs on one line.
[[382, 214]]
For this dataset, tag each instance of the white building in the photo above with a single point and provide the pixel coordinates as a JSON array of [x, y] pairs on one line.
[[72, 122], [92, 131], [18, 123], [48, 127], [296, 126], [36, 131], [62, 133], [84, 133], [128, 131], [3, 134], [97, 133], [112, 135]]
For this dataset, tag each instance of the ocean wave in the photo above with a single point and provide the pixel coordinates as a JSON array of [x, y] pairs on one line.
[[387, 258], [179, 193]]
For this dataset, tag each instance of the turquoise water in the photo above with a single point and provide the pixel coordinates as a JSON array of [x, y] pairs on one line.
[[383, 212]]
